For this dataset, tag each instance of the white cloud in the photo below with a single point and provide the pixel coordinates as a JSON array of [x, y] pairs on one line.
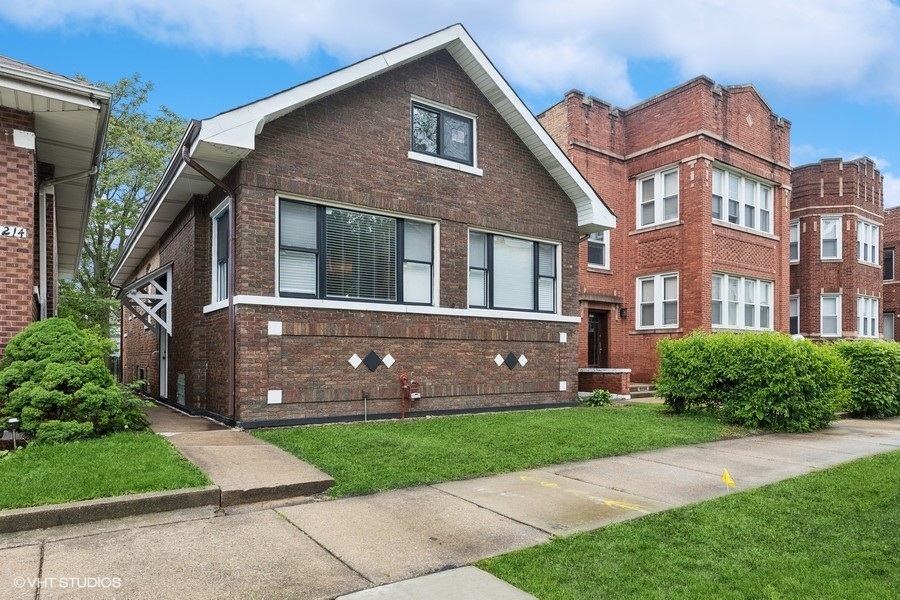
[[808, 46], [891, 190]]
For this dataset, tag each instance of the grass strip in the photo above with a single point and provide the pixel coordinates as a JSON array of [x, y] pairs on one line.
[[117, 464], [829, 534], [377, 456]]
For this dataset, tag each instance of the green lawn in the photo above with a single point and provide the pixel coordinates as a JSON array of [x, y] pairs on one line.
[[370, 457], [121, 463], [830, 534]]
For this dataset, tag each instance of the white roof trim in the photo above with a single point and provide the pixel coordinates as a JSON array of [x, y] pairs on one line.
[[230, 136], [240, 127]]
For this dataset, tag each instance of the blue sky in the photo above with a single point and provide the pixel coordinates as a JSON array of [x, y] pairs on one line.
[[831, 67]]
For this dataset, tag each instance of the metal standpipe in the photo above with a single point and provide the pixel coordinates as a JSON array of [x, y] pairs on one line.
[[409, 392]]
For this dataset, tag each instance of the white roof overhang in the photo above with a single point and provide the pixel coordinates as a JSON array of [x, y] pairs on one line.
[[70, 121], [220, 142]]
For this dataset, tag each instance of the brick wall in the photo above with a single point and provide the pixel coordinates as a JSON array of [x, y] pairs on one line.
[[17, 187], [692, 127], [350, 149], [614, 381], [853, 191], [891, 239]]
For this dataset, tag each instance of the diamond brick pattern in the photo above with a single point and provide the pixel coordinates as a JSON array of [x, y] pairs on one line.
[[355, 361], [511, 361], [372, 360]]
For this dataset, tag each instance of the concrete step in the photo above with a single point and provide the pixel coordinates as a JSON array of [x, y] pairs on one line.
[[642, 390]]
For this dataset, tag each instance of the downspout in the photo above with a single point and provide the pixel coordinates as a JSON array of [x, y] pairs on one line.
[[42, 224], [229, 195]]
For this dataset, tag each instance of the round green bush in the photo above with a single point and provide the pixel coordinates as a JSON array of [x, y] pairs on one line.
[[754, 379], [55, 380]]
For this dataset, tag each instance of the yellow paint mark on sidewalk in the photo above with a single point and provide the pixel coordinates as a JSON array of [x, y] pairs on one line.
[[539, 481], [595, 499]]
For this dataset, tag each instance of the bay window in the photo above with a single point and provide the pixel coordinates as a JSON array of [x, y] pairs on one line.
[[741, 201], [741, 302]]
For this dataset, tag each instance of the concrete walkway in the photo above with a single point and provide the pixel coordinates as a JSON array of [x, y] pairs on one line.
[[410, 543], [244, 468]]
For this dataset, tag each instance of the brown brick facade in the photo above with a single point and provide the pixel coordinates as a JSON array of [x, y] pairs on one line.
[[891, 284], [349, 150], [18, 172], [693, 128], [853, 192]]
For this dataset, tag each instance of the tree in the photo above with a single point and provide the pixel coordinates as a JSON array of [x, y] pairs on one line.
[[138, 146]]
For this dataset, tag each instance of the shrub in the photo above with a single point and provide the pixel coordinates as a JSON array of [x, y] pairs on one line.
[[598, 398], [874, 377], [54, 379], [754, 379]]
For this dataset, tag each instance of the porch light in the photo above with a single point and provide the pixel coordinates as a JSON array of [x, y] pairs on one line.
[[12, 424]]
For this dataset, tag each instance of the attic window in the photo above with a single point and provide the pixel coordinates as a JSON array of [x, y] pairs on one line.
[[442, 137]]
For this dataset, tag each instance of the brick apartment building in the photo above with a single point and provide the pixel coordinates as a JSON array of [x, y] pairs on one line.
[[51, 138], [890, 293], [837, 219], [405, 215], [699, 177]]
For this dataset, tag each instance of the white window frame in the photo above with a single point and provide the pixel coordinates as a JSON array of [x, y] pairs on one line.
[[489, 270], [751, 297], [658, 301], [867, 236], [867, 312], [742, 201], [794, 313], [219, 288], [659, 200], [822, 239], [437, 159], [837, 331], [794, 242], [887, 326], [321, 254], [601, 238]]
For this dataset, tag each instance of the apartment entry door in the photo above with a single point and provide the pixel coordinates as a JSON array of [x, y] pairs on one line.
[[598, 339]]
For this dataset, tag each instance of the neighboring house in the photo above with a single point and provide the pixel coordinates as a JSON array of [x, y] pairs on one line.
[[52, 130], [891, 280], [404, 215], [699, 177], [837, 216]]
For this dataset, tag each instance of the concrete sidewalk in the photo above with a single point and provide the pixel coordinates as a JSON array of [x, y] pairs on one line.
[[410, 543]]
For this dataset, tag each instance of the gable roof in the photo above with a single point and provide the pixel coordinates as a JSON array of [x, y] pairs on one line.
[[70, 121], [220, 142]]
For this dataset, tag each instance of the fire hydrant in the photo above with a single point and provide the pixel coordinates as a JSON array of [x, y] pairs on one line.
[[409, 392]]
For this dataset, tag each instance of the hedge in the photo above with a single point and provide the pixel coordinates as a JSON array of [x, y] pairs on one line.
[[763, 379], [874, 377]]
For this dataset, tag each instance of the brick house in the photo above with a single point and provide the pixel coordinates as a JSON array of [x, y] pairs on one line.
[[404, 215], [699, 177], [891, 283], [837, 216], [52, 130]]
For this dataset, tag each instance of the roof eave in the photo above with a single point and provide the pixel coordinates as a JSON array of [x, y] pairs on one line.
[[228, 137]]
